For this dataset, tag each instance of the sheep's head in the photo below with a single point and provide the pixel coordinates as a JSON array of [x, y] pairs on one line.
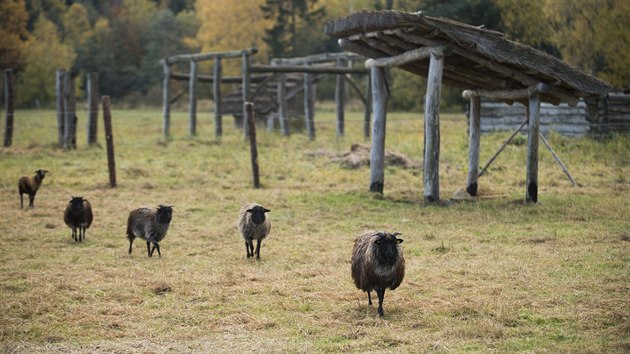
[[165, 213], [41, 173], [386, 247], [76, 202], [258, 214]]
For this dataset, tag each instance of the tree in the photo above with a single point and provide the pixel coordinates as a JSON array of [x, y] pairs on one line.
[[36, 84], [14, 33], [290, 33]]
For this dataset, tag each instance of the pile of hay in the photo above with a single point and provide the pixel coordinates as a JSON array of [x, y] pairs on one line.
[[359, 156]]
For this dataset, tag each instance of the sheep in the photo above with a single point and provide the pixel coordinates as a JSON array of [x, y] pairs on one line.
[[150, 225], [78, 216], [30, 185], [377, 263], [253, 225]]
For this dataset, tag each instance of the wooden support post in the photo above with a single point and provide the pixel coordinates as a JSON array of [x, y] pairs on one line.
[[553, 153], [432, 129], [192, 100], [309, 105], [474, 133], [282, 105], [340, 90], [380, 96], [533, 117], [166, 98], [245, 88], [61, 107], [368, 106], [109, 140], [70, 124], [92, 95], [249, 109], [8, 106], [218, 121], [505, 143]]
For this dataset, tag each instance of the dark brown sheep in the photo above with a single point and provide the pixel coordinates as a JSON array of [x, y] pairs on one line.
[[78, 216], [377, 264], [30, 185], [150, 225]]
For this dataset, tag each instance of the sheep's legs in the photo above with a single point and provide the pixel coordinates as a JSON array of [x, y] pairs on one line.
[[381, 295], [149, 249], [31, 198], [369, 298], [247, 249], [156, 246], [21, 201], [130, 243], [257, 249]]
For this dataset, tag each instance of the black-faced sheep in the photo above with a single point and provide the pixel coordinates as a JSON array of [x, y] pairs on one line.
[[150, 225], [253, 225], [377, 264], [30, 185], [78, 216]]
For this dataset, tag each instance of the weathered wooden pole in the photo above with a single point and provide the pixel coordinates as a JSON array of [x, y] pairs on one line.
[[92, 94], [216, 85], [340, 90], [474, 133], [8, 106], [109, 140], [432, 128], [380, 96], [245, 86], [166, 97], [61, 107], [253, 149], [192, 99], [533, 117], [70, 130], [309, 105], [368, 106], [282, 105]]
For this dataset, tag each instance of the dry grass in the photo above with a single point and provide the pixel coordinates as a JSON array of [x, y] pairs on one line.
[[491, 275]]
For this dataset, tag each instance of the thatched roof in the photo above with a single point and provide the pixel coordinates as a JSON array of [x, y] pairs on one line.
[[480, 59]]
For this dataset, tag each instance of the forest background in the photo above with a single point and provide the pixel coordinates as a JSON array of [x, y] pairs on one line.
[[123, 40]]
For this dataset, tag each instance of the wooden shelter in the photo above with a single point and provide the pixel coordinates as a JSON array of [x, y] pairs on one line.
[[476, 59]]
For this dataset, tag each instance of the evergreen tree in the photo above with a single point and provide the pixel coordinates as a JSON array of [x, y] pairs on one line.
[[291, 34]]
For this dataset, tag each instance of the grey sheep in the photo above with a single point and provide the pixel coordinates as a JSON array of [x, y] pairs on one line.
[[78, 216], [150, 225], [30, 185], [377, 264], [253, 225]]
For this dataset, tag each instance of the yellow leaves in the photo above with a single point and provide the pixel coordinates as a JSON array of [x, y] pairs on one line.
[[76, 25], [13, 31]]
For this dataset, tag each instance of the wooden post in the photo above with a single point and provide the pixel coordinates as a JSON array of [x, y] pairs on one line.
[[192, 99], [245, 87], [166, 97], [218, 120], [109, 139], [282, 105], [70, 132], [340, 89], [368, 106], [61, 107], [474, 133], [92, 93], [249, 109], [380, 96], [432, 129], [8, 106], [309, 103], [533, 117]]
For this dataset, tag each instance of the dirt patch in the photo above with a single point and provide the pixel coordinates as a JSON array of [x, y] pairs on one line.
[[359, 157]]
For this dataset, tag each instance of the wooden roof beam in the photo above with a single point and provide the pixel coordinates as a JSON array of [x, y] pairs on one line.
[[513, 95], [417, 54]]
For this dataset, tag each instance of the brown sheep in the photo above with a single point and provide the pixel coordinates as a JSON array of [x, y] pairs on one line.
[[30, 185], [377, 264]]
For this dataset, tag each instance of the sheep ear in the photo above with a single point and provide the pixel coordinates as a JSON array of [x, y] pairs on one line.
[[248, 210], [399, 240], [266, 210], [396, 234]]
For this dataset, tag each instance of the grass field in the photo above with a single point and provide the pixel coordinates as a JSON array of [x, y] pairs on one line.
[[492, 275]]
